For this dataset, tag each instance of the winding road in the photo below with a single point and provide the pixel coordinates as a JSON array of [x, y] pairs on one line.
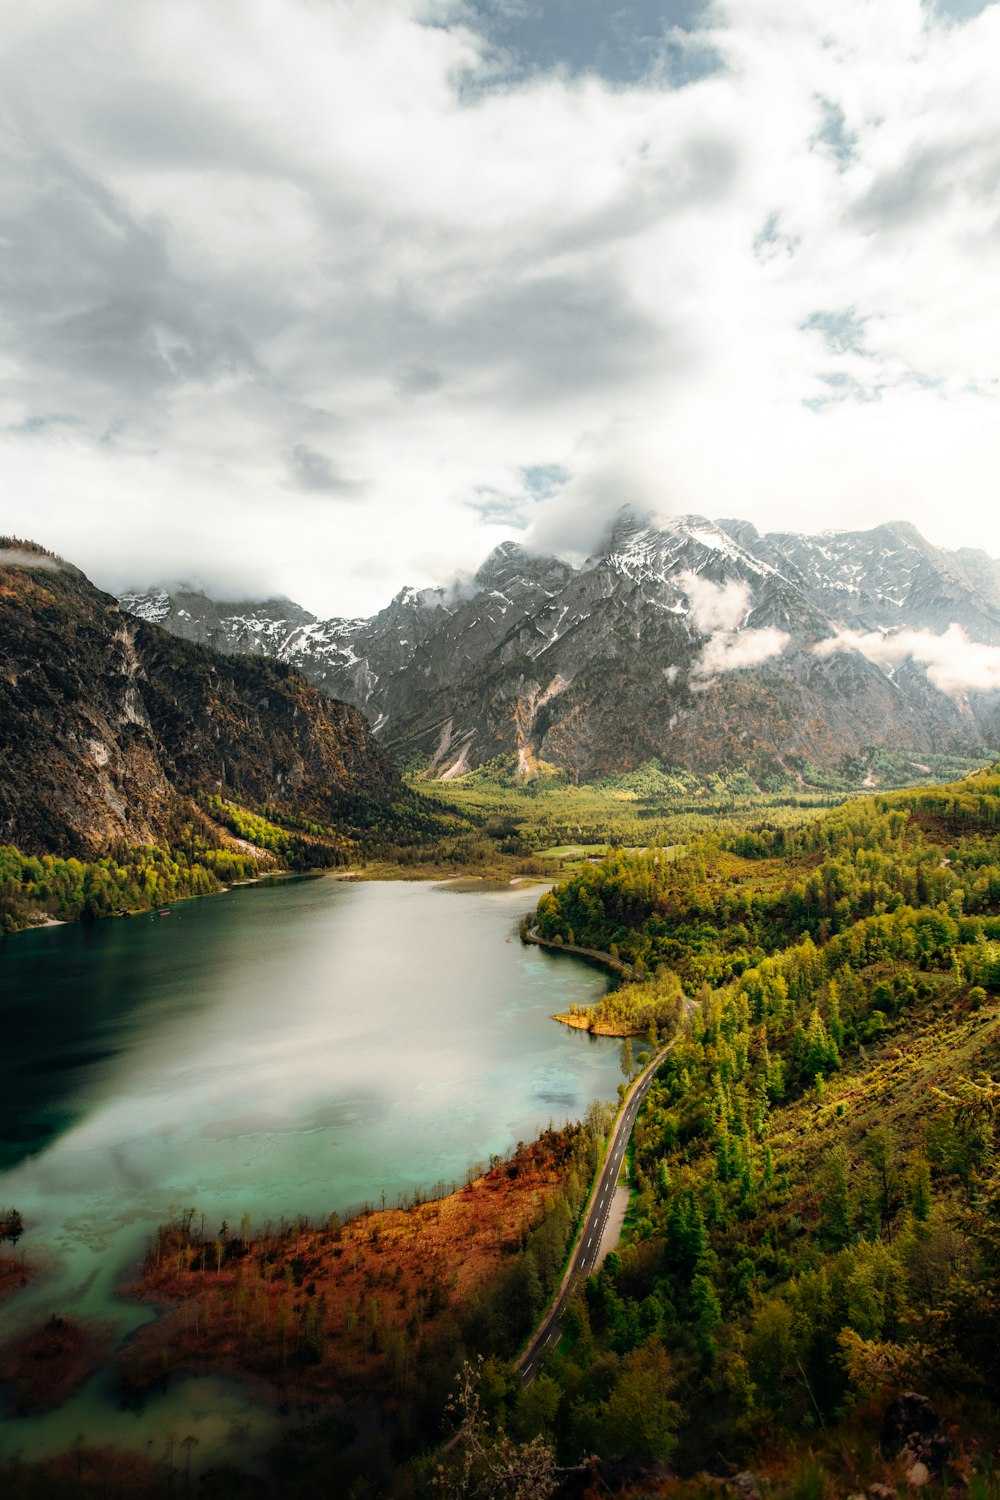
[[588, 1244]]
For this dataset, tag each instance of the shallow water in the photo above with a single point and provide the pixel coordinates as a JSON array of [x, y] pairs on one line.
[[300, 1046]]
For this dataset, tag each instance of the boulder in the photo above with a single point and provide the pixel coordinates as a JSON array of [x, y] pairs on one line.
[[911, 1430]]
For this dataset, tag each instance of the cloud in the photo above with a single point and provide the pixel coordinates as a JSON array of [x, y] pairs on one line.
[[715, 606], [728, 652], [14, 557], [954, 663], [311, 470], [88, 289], [493, 506], [417, 380], [544, 253], [718, 610]]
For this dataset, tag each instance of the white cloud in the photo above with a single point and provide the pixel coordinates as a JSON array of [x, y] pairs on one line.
[[15, 557], [954, 663], [715, 606], [728, 652], [278, 297], [718, 611]]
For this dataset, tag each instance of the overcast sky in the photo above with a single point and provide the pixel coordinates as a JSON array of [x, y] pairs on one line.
[[322, 297]]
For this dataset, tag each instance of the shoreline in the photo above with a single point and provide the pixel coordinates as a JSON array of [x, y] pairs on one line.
[[450, 878], [380, 1238], [598, 1028], [583, 1021], [595, 955], [458, 881], [454, 1243]]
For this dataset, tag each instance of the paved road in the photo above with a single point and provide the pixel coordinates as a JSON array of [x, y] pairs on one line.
[[588, 1245]]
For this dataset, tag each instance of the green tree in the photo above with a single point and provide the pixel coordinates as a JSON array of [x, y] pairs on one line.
[[627, 1059], [834, 1228], [880, 1152], [641, 1416]]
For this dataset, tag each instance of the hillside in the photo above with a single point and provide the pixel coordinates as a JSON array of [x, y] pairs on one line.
[[699, 643], [112, 730], [804, 1302], [815, 1217]]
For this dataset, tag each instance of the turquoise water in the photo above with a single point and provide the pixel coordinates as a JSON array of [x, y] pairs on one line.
[[300, 1046]]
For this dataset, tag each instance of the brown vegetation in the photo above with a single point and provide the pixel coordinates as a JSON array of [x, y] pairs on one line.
[[326, 1312], [48, 1364], [582, 1021], [14, 1273], [108, 1473]]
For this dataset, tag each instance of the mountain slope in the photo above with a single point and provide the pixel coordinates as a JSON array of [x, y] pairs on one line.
[[888, 576], [106, 719], [689, 640], [813, 1222]]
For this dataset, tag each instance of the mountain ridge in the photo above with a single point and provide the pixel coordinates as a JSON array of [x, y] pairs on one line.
[[698, 641]]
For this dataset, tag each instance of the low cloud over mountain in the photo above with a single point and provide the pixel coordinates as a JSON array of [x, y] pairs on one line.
[[954, 663], [701, 642]]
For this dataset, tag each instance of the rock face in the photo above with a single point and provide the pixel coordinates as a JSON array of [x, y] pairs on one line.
[[691, 640], [911, 1430], [106, 719]]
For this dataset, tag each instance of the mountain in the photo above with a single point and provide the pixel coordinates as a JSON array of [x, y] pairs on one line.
[[888, 576], [699, 642], [106, 721]]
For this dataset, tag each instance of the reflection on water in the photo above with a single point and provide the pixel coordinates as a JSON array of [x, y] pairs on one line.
[[297, 1047]]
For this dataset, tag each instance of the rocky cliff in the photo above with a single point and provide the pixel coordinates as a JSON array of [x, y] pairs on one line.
[[105, 720]]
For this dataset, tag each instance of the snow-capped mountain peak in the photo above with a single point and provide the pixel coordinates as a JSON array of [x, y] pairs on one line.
[[695, 640]]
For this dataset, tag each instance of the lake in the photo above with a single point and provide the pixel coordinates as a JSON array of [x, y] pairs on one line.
[[297, 1046]]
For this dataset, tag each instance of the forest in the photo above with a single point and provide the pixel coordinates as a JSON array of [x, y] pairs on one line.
[[130, 878], [815, 1220], [212, 842], [488, 823]]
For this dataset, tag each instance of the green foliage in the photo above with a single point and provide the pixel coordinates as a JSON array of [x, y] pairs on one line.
[[132, 878], [563, 823], [817, 1188], [298, 843], [718, 907]]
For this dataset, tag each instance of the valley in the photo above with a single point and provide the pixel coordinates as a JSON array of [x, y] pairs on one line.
[[812, 1179], [346, 1050], [499, 750]]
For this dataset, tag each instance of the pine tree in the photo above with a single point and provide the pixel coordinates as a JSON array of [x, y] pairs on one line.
[[834, 1202]]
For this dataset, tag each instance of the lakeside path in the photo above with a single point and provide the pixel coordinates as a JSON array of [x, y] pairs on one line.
[[532, 935], [587, 1246]]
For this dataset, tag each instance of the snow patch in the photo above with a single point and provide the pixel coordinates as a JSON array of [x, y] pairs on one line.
[[153, 607], [713, 543]]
